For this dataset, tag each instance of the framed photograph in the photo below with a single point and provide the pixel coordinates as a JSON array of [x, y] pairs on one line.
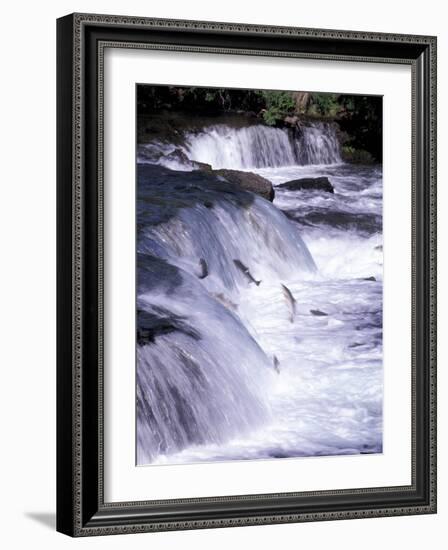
[[246, 274]]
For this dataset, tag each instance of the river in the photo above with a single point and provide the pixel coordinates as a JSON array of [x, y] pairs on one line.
[[234, 366]]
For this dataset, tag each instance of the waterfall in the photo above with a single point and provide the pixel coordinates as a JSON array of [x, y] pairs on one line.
[[204, 246], [203, 379], [256, 146], [260, 146], [318, 144], [201, 376], [259, 235], [233, 320], [241, 148]]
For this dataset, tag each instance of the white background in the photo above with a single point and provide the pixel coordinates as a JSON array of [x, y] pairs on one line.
[[27, 301]]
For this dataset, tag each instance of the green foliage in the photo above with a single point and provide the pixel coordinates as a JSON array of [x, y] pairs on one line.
[[359, 117], [326, 105], [219, 97], [357, 156], [277, 106]]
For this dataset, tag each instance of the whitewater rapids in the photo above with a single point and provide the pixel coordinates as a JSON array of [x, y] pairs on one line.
[[207, 388]]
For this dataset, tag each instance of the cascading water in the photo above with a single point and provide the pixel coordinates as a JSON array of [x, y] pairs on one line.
[[192, 386], [202, 377], [255, 146], [241, 148], [260, 146], [215, 322]]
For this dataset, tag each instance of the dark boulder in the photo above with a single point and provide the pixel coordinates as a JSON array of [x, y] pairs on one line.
[[179, 157], [202, 166], [248, 181], [312, 184], [357, 156], [159, 323]]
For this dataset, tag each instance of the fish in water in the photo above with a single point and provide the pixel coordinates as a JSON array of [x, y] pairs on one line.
[[225, 301], [318, 313], [246, 272], [355, 345], [204, 269], [291, 301], [276, 364]]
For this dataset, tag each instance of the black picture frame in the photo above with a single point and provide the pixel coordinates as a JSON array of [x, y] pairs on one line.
[[81, 510]]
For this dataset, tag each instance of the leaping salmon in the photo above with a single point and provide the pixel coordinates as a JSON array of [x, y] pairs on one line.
[[204, 269], [225, 301], [276, 364], [318, 313], [246, 272], [291, 301]]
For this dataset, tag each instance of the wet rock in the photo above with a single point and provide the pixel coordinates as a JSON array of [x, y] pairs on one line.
[[291, 120], [248, 181], [159, 323], [363, 223], [177, 156], [357, 156], [202, 166], [309, 184]]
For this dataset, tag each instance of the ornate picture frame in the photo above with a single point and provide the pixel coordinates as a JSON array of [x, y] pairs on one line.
[[81, 506]]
